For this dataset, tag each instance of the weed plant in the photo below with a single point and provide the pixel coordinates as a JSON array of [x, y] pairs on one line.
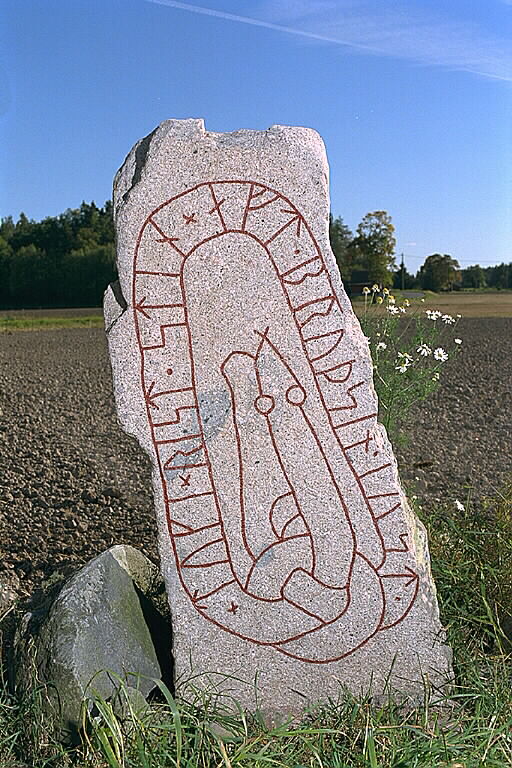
[[409, 347]]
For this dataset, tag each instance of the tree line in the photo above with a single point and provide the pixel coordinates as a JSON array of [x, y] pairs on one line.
[[369, 256], [61, 261], [68, 260]]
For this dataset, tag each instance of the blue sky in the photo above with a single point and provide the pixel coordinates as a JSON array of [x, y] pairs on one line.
[[412, 98]]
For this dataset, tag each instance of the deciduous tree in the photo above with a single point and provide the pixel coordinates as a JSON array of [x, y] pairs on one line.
[[375, 243], [473, 277], [64, 260], [499, 276], [439, 272], [341, 240]]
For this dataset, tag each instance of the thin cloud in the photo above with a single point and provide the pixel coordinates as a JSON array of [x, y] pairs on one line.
[[254, 22], [376, 30]]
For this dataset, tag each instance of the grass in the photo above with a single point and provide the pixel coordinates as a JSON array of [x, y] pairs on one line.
[[29, 322], [468, 304], [471, 555]]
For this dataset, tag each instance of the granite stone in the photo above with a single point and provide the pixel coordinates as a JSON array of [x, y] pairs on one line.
[[292, 560]]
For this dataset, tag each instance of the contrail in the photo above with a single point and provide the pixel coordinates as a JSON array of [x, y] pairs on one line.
[[258, 23], [450, 52]]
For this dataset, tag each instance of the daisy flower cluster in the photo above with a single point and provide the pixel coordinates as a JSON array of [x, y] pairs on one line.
[[377, 296], [437, 315], [409, 347]]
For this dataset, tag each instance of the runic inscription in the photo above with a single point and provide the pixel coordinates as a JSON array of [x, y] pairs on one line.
[[291, 558], [266, 450]]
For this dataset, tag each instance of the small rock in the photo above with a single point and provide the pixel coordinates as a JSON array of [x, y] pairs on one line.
[[24, 567], [89, 496], [111, 492], [9, 590], [97, 631]]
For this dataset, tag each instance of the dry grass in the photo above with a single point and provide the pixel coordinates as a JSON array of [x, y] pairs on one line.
[[483, 304], [57, 312], [474, 304], [26, 322], [50, 319]]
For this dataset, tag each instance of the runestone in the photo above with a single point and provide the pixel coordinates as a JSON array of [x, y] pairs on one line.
[[293, 564]]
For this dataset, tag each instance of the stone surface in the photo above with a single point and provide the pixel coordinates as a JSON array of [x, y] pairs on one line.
[[288, 548], [99, 630]]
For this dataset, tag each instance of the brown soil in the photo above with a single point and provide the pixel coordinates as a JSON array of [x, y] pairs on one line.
[[73, 484]]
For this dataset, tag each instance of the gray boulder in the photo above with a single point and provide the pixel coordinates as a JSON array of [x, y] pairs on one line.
[[107, 624]]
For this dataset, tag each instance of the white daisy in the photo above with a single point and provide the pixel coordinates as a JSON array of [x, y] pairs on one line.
[[404, 362]]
